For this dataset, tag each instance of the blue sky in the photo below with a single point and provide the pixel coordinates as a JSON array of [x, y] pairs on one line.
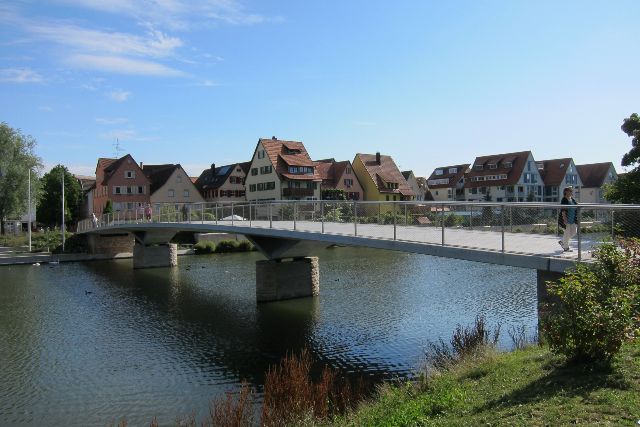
[[430, 83]]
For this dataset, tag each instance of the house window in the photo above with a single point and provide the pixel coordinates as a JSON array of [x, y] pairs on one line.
[[348, 182], [266, 169], [129, 190], [252, 188], [171, 193], [387, 197], [116, 190], [185, 193], [261, 154], [130, 174], [130, 206], [178, 178], [439, 171], [347, 170], [453, 170], [477, 167], [140, 189], [493, 166], [508, 165]]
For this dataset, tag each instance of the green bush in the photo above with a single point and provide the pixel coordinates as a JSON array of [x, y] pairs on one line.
[[596, 307], [245, 246], [225, 246], [204, 247]]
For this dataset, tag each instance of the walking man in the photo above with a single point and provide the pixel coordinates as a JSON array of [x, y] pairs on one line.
[[569, 217]]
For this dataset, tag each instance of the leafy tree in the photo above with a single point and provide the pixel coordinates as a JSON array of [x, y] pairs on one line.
[[50, 207], [627, 188], [17, 157], [108, 208]]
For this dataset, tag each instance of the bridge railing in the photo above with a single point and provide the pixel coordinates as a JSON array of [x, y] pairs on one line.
[[507, 227]]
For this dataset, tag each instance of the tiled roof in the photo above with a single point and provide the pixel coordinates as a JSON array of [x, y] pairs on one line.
[[245, 166], [553, 171], [594, 174], [158, 175], [518, 161], [452, 177], [326, 170], [385, 171], [212, 181], [111, 165], [295, 154]]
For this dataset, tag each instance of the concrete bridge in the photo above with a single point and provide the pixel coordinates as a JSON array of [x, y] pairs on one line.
[[290, 233]]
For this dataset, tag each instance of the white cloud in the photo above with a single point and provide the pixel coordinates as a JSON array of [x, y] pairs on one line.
[[178, 14], [208, 83], [19, 75], [124, 135], [119, 95], [111, 120], [45, 108], [122, 65]]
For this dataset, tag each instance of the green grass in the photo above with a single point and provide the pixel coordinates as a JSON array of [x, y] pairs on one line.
[[529, 387]]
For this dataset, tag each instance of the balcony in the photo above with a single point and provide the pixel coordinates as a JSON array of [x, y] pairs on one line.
[[298, 192]]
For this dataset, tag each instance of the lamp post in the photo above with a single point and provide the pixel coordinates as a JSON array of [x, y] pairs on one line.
[[62, 227], [29, 214]]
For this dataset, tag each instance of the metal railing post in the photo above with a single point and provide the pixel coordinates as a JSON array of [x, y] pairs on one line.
[[270, 216], [295, 214], [379, 205], [613, 227], [249, 213], [202, 213], [322, 215], [442, 218], [502, 221], [395, 236], [355, 219], [578, 215], [233, 213], [511, 217], [406, 222], [471, 217], [217, 212]]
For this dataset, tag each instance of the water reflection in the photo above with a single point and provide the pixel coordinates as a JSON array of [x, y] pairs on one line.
[[90, 342]]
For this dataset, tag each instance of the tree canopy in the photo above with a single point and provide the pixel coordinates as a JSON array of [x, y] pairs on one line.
[[50, 206], [627, 188], [17, 157]]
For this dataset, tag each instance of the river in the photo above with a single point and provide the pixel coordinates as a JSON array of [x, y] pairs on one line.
[[85, 344]]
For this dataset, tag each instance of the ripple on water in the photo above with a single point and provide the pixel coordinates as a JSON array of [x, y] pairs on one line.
[[90, 343]]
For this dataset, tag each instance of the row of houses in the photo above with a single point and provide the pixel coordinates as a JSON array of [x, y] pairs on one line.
[[283, 170], [518, 177]]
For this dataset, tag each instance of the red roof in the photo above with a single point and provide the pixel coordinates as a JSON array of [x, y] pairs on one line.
[[453, 178], [514, 172], [554, 171], [594, 174], [385, 172], [289, 153]]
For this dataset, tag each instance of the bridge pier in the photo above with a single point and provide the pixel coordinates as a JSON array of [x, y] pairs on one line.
[[149, 256], [279, 279]]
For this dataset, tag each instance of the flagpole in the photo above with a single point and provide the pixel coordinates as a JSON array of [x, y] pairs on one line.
[[62, 210], [29, 219]]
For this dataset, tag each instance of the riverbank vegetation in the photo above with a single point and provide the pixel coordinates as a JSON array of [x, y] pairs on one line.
[[45, 241], [223, 246]]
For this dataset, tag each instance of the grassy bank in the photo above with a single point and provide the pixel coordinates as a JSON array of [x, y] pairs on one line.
[[531, 387]]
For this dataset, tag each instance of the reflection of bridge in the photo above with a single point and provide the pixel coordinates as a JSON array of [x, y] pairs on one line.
[[514, 234]]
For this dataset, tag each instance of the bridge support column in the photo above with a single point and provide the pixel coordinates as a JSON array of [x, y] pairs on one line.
[[148, 256], [280, 279]]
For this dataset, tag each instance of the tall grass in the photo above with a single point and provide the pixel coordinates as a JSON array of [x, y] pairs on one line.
[[466, 342]]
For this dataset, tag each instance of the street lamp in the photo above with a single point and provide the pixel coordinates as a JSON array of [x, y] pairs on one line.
[[29, 215], [62, 227]]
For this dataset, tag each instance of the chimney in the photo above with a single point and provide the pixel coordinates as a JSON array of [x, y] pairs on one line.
[[378, 157], [213, 167], [274, 138], [140, 165]]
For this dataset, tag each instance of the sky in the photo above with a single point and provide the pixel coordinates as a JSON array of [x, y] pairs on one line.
[[430, 83]]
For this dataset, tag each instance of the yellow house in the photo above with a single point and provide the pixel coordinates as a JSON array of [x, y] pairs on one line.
[[381, 179]]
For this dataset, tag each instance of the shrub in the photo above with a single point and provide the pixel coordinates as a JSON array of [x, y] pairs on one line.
[[245, 246], [234, 410], [596, 307], [204, 247], [225, 246]]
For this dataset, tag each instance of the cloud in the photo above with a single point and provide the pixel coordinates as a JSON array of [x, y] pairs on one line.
[[45, 108], [208, 83], [121, 65], [126, 135], [19, 75], [178, 14], [119, 95], [111, 120], [153, 44]]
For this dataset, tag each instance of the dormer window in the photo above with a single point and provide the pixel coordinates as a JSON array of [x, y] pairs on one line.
[[439, 171], [453, 170], [477, 167], [493, 166], [508, 165]]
